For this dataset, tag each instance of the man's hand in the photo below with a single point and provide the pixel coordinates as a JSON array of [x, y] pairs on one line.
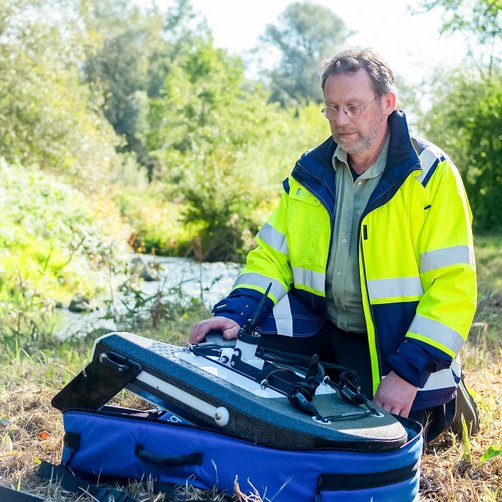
[[228, 328], [395, 395]]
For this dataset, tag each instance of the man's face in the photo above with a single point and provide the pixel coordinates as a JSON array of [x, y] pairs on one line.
[[362, 134]]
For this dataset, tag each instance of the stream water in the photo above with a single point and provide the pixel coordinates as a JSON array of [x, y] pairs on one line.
[[179, 280]]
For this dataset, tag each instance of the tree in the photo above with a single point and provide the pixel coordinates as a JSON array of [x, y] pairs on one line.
[[134, 57], [47, 117], [305, 34], [478, 18], [466, 116], [199, 127], [466, 120], [127, 54]]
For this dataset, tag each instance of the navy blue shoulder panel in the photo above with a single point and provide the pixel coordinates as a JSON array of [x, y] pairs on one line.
[[428, 176], [314, 170], [420, 145], [285, 185]]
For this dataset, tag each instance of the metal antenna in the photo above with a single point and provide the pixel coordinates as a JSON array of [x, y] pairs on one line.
[[251, 324]]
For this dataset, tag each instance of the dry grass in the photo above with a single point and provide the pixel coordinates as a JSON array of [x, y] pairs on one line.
[[31, 430], [451, 470]]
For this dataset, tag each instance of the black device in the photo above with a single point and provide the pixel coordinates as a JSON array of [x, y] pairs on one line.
[[98, 382]]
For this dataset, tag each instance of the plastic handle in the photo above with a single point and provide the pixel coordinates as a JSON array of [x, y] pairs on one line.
[[155, 458]]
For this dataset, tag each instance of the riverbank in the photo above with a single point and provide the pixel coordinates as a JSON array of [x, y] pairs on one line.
[[153, 281], [452, 469]]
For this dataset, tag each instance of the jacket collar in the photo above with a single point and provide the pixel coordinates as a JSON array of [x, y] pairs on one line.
[[315, 170]]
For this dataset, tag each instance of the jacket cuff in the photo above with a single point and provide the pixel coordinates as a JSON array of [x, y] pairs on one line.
[[411, 363], [236, 307], [234, 317]]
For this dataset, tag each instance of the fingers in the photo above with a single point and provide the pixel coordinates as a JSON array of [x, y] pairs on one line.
[[390, 406], [395, 409], [231, 332], [227, 327], [395, 395], [398, 411], [199, 331]]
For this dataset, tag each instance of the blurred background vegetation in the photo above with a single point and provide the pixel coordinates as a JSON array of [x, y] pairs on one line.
[[125, 129]]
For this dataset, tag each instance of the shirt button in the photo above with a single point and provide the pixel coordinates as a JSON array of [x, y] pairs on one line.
[[344, 241], [359, 183], [339, 272]]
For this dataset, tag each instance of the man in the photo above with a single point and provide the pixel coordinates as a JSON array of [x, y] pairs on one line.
[[370, 253]]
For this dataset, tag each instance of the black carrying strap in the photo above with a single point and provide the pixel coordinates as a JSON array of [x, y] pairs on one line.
[[155, 458], [74, 484], [10, 495], [347, 381], [301, 393], [346, 482]]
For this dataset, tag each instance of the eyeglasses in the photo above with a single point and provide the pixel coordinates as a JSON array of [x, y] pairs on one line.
[[351, 111]]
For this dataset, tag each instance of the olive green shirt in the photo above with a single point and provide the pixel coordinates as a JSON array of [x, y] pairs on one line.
[[343, 289]]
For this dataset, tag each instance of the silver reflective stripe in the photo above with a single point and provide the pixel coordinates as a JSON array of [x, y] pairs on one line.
[[262, 281], [447, 256], [273, 238], [392, 288], [309, 278], [283, 317], [437, 332], [427, 159], [443, 379]]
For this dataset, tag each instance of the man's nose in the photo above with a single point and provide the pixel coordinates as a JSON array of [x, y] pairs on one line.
[[341, 118]]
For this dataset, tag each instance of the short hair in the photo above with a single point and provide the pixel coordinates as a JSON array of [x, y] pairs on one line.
[[353, 60]]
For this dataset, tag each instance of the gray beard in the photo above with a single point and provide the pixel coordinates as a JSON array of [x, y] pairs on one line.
[[363, 144]]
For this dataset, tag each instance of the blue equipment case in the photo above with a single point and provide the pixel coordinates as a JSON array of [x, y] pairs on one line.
[[221, 414], [117, 443]]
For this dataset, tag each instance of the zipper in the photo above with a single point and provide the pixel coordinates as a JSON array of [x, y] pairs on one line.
[[365, 238], [370, 308]]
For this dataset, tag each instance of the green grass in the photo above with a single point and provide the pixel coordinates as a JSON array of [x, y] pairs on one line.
[[54, 244], [489, 262]]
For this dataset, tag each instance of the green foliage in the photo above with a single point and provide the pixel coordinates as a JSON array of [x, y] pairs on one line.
[[478, 20], [215, 150], [305, 34], [47, 117], [490, 453], [129, 60], [50, 249], [224, 148], [200, 128], [155, 223], [133, 54], [478, 17], [489, 262], [466, 120]]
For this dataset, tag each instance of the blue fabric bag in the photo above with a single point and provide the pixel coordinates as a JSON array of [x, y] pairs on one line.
[[123, 443]]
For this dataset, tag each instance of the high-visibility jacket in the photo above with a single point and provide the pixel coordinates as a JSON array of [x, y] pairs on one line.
[[416, 263]]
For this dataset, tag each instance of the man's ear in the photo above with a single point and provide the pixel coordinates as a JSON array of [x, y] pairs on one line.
[[389, 102]]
